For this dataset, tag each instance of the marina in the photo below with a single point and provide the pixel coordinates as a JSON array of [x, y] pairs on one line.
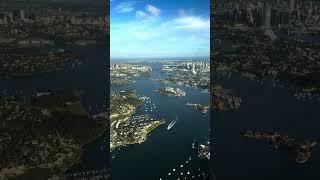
[[186, 171]]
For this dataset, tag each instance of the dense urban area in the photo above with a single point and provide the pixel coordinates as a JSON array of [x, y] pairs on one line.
[[24, 30]]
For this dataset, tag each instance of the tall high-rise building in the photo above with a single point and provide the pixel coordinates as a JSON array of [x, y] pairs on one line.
[[266, 14], [10, 16], [22, 14], [291, 5]]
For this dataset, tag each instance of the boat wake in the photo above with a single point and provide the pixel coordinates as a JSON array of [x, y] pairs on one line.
[[171, 125]]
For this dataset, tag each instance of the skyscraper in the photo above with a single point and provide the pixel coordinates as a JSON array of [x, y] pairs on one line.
[[291, 5], [22, 14], [266, 14], [10, 16]]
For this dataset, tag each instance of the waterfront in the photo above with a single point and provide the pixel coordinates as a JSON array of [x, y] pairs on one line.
[[164, 150]]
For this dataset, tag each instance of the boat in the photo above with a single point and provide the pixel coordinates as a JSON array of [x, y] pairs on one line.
[[171, 125]]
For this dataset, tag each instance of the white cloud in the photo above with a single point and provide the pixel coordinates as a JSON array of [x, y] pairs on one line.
[[141, 15], [125, 7], [153, 10], [191, 29], [189, 25], [150, 14], [184, 34], [191, 22]]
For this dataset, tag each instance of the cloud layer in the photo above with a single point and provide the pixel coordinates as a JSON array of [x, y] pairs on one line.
[[125, 7], [150, 33]]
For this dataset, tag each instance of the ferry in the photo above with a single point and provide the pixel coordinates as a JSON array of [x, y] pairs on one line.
[[171, 125]]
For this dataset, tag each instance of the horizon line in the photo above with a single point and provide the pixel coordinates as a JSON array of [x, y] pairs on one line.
[[164, 57]]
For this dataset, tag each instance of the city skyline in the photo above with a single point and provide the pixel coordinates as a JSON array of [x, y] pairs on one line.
[[155, 29]]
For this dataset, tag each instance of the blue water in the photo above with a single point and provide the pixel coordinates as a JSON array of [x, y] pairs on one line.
[[269, 108], [164, 149]]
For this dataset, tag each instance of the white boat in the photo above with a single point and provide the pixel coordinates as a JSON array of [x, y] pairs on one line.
[[171, 125]]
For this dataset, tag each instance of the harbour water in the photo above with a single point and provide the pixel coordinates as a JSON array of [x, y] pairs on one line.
[[266, 106], [166, 153]]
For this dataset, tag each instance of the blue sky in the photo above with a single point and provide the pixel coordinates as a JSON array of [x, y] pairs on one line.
[[159, 28]]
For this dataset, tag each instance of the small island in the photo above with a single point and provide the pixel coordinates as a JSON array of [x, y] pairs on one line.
[[169, 91], [224, 99], [199, 107], [202, 149], [301, 148]]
